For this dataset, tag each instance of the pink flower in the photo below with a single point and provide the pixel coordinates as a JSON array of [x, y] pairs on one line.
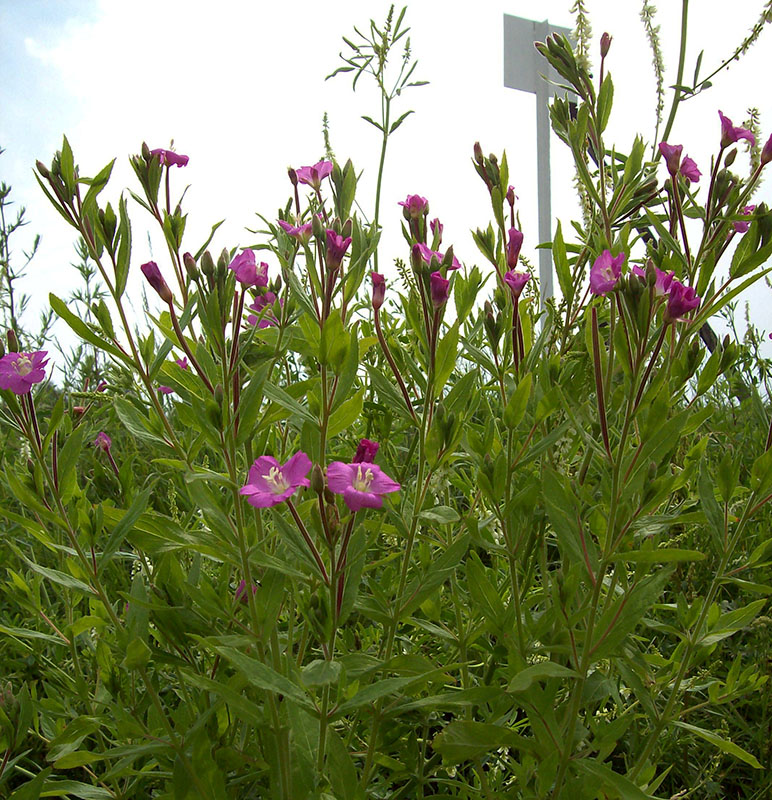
[[681, 300], [248, 273], [366, 451], [516, 282], [241, 592], [103, 441], [742, 226], [18, 371], [438, 289], [662, 283], [156, 280], [263, 303], [415, 206], [514, 243], [182, 363], [427, 254], [170, 158], [766, 152], [731, 134], [672, 156], [605, 272], [689, 170], [379, 290], [362, 485], [302, 233], [166, 390], [313, 176], [336, 249], [270, 484]]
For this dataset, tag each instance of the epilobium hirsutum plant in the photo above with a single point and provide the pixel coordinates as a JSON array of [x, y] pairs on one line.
[[393, 539]]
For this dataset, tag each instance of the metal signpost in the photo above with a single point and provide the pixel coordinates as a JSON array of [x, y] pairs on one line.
[[525, 69]]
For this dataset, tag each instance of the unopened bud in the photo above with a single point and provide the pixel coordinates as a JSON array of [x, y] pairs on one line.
[[379, 290], [146, 154], [207, 265], [78, 410], [766, 152], [13, 342], [605, 44], [293, 176], [155, 279], [511, 196], [317, 479], [317, 226], [730, 157], [43, 169], [478, 153], [347, 227], [190, 265]]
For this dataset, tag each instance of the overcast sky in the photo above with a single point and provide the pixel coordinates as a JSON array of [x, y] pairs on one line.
[[239, 87]]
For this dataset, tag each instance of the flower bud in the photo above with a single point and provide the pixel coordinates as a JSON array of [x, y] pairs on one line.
[[438, 289], [13, 342], [511, 196], [730, 157], [146, 154], [317, 226], [478, 153], [207, 265], [78, 411], [366, 452], [605, 44], [43, 169], [190, 265], [379, 290], [103, 441], [348, 226], [293, 176], [155, 279], [317, 479]]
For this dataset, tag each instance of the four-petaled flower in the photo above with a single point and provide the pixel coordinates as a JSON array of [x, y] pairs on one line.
[[362, 485], [241, 592], [415, 206], [336, 248], [18, 371], [248, 273], [438, 289], [366, 452], [689, 170], [166, 390], [170, 158], [605, 272], [516, 282], [300, 232], [264, 303], [681, 300], [270, 483], [313, 176], [687, 167], [741, 226], [662, 282], [731, 133], [182, 363], [427, 254]]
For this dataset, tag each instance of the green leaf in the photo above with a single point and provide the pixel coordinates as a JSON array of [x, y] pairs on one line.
[[660, 556], [544, 670], [731, 622], [278, 395], [83, 330], [320, 672], [722, 744], [466, 740], [136, 423], [622, 787], [60, 578], [346, 415], [123, 256], [444, 515], [518, 402], [605, 102], [447, 351], [122, 529], [561, 265]]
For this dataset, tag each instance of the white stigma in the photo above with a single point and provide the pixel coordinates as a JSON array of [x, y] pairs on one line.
[[276, 480], [23, 365], [362, 482]]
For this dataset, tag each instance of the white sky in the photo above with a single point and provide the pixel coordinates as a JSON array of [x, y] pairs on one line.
[[240, 88]]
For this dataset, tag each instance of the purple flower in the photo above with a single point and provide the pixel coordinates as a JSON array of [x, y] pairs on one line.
[[689, 170], [313, 176], [731, 134], [662, 284], [241, 592], [379, 290], [182, 363], [170, 158], [681, 300], [263, 303], [362, 485], [415, 206], [18, 371], [514, 243], [766, 152], [166, 390], [270, 484], [516, 282], [511, 196], [103, 441], [438, 289], [366, 451], [742, 226], [336, 248], [302, 232], [248, 273], [427, 254], [672, 156], [605, 272], [156, 280]]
